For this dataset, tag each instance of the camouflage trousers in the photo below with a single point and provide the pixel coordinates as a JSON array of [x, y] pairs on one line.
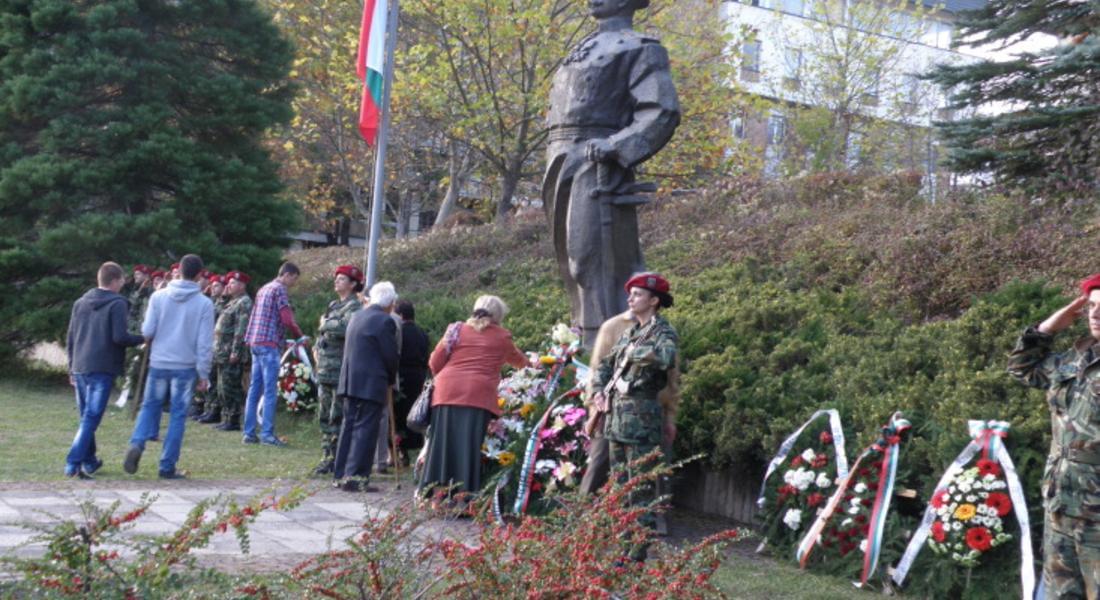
[[1071, 557], [207, 401], [230, 390], [330, 414], [621, 455]]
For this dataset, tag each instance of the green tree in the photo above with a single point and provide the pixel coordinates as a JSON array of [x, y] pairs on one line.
[[1048, 136], [131, 130]]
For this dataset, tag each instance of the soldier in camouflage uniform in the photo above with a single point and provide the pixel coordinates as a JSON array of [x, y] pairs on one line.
[[230, 353], [629, 379], [140, 288], [209, 400], [328, 354], [1071, 481]]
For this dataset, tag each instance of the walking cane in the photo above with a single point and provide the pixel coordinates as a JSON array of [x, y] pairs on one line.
[[393, 435], [139, 386]]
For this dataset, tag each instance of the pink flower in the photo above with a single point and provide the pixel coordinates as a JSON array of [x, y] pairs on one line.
[[573, 415], [548, 434]]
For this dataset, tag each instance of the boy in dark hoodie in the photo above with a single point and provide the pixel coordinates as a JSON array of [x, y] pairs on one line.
[[96, 344]]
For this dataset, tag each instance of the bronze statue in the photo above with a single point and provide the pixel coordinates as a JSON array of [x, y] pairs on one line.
[[612, 106]]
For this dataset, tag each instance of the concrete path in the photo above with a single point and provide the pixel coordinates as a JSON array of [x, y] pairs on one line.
[[279, 540]]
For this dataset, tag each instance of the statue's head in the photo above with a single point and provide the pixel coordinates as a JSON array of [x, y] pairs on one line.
[[603, 9]]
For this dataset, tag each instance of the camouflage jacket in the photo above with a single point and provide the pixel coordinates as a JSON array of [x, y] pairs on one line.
[[330, 338], [219, 306], [230, 328], [1071, 481], [139, 299], [637, 368]]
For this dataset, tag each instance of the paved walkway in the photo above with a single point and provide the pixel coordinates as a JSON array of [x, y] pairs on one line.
[[278, 539]]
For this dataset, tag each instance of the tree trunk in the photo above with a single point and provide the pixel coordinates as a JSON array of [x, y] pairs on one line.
[[458, 171], [507, 193]]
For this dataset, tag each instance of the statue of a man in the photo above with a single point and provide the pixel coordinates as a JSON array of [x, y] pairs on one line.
[[612, 106]]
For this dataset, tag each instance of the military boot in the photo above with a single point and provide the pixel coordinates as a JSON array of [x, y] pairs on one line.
[[230, 424], [214, 416]]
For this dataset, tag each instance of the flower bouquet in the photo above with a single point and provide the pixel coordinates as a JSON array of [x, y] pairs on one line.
[[297, 383], [969, 514], [809, 462], [537, 446]]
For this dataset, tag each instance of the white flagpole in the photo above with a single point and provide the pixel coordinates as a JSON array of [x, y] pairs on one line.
[[378, 197]]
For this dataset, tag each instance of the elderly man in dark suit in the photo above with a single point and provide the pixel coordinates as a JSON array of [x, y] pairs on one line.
[[368, 371]]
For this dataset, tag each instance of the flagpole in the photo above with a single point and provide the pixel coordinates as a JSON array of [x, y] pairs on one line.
[[378, 198]]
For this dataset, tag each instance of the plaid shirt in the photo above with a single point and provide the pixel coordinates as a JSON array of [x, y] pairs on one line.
[[265, 328]]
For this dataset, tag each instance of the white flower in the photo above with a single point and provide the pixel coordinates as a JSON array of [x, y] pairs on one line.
[[860, 488], [956, 526], [793, 518], [854, 510], [800, 479], [863, 546], [855, 501], [808, 455], [823, 480], [971, 498], [964, 487], [846, 522], [545, 466]]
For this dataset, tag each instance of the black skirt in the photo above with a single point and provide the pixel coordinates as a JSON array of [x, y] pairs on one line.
[[454, 448]]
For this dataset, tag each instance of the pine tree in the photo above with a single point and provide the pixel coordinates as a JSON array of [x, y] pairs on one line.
[[131, 130], [1048, 137]]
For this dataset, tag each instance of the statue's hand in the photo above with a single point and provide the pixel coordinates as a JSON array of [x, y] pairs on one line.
[[600, 150]]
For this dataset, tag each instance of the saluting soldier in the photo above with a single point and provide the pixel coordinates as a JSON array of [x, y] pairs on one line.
[[230, 352], [1071, 481], [629, 380], [140, 288], [328, 354]]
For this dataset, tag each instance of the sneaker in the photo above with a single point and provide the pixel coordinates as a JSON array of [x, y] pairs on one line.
[[276, 442], [171, 475], [250, 439], [79, 474], [133, 457], [93, 466]]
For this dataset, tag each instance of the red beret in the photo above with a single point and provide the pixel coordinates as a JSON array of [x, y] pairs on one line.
[[156, 274], [241, 277], [652, 282], [205, 274], [142, 269], [351, 271], [215, 278], [1092, 283], [174, 267]]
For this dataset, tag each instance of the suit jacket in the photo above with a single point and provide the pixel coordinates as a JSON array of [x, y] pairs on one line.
[[370, 356]]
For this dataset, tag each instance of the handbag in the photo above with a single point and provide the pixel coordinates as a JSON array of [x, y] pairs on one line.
[[420, 415]]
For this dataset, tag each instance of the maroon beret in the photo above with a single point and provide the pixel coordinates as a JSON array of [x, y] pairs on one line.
[[351, 271], [654, 283], [157, 273], [241, 277], [142, 269], [1091, 283]]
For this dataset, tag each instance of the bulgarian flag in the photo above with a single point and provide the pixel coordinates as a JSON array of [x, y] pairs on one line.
[[369, 67]]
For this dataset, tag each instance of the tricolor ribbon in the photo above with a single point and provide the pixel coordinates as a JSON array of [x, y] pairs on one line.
[[530, 455], [298, 349], [887, 445], [986, 437], [785, 448]]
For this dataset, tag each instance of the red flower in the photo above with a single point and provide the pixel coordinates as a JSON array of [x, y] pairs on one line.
[[937, 531], [820, 461], [999, 502], [979, 539], [814, 499], [796, 462], [988, 467], [939, 499], [826, 437], [786, 490]]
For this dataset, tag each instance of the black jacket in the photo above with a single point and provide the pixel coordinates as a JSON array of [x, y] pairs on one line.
[[98, 338], [370, 356]]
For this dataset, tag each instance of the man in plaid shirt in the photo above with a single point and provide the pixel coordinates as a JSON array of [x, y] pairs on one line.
[[271, 318]]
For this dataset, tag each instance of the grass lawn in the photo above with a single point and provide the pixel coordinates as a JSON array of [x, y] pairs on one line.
[[38, 420]]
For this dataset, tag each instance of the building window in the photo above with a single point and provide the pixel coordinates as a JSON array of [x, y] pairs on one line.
[[792, 7], [910, 92], [738, 125], [777, 129], [750, 61], [938, 34], [792, 68]]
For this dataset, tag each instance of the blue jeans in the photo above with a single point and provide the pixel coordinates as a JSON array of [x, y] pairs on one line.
[[178, 385], [265, 377], [92, 391]]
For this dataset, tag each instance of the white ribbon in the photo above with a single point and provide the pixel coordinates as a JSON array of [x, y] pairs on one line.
[[299, 350], [1019, 505], [785, 448]]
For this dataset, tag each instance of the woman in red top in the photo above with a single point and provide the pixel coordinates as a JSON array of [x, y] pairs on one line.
[[466, 374]]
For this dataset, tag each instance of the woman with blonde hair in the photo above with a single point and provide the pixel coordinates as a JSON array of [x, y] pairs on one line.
[[466, 366]]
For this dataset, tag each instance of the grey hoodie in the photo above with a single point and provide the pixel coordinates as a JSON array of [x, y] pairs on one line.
[[97, 337], [180, 321]]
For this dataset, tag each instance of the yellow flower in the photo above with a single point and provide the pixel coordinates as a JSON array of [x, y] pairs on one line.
[[501, 402], [547, 360], [965, 512], [526, 409], [506, 458]]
